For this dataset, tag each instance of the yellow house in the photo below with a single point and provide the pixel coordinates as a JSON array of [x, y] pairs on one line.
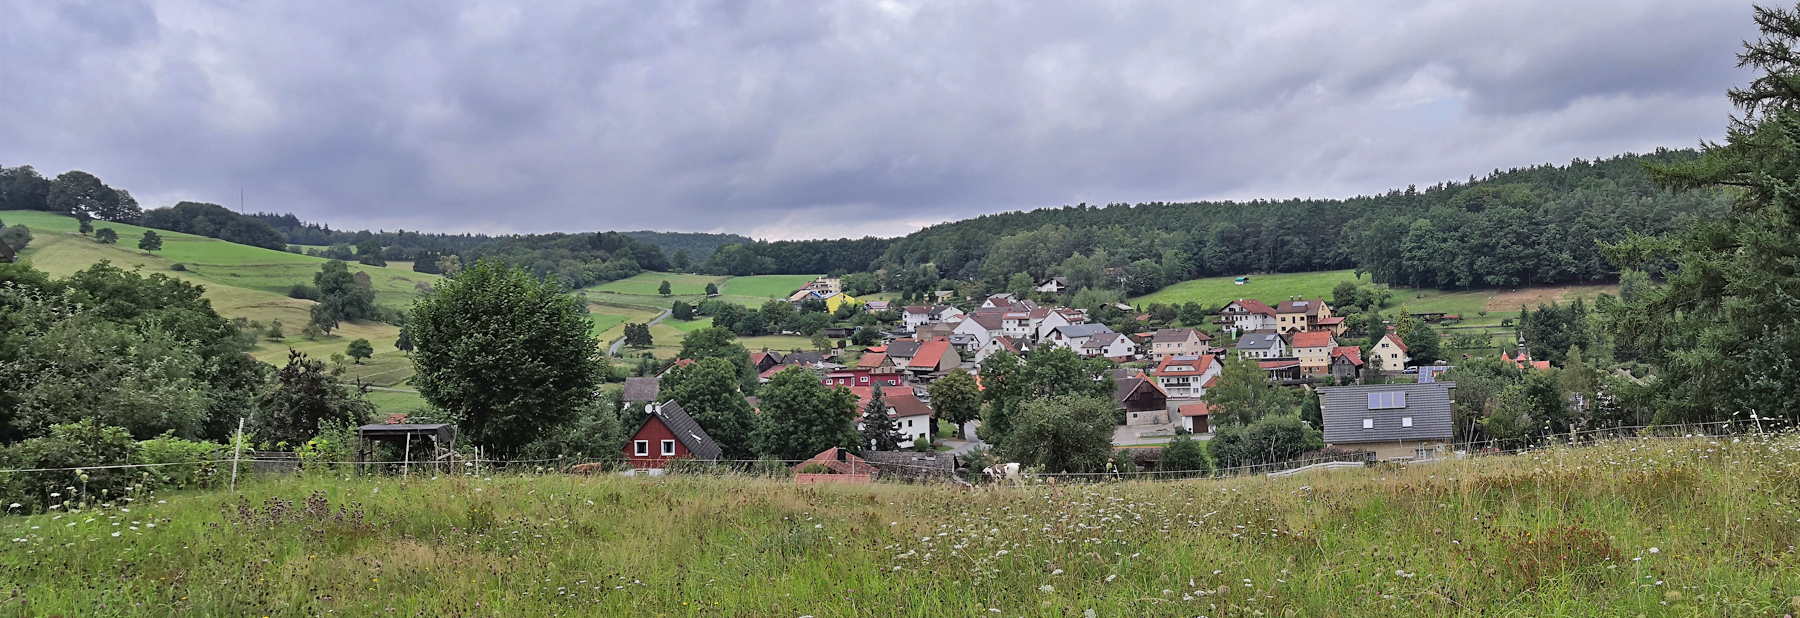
[[834, 301]]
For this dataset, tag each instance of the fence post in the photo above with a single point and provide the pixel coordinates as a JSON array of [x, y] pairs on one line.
[[406, 460], [236, 452]]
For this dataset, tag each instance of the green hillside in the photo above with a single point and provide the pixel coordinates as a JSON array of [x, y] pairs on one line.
[[240, 281], [1214, 292]]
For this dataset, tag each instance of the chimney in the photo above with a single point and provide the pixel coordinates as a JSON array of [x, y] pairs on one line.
[[842, 455]]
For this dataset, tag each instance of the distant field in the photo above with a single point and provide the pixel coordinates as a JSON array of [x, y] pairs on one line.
[[690, 325], [1214, 292], [647, 284], [779, 343], [390, 402], [613, 318], [764, 287]]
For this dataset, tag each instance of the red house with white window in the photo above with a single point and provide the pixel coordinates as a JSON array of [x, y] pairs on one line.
[[668, 433], [860, 377]]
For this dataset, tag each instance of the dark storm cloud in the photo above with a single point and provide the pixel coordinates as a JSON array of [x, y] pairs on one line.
[[792, 119]]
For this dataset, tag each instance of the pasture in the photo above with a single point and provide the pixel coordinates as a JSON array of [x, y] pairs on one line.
[[1682, 527], [1214, 292], [647, 283]]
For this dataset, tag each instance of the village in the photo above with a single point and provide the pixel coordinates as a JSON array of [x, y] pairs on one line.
[[1387, 407]]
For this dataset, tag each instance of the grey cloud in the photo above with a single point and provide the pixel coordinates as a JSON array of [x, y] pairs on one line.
[[792, 119]]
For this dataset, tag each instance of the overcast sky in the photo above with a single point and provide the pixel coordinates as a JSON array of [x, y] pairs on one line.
[[818, 118]]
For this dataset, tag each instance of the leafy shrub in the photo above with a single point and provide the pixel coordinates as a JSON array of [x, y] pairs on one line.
[[178, 267], [303, 292], [168, 449], [72, 445], [815, 468]]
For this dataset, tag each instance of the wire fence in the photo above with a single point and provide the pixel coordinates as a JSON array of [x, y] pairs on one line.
[[44, 482]]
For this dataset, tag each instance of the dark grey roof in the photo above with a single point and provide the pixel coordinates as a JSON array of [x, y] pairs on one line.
[[1081, 330], [642, 389], [1166, 335], [1101, 340], [1428, 405], [688, 431], [1257, 341], [904, 348]]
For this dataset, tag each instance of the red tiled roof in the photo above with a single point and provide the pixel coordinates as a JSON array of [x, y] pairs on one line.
[[1200, 365], [1397, 341], [1254, 306], [930, 353], [851, 464], [1277, 364], [1194, 409], [1351, 352], [1210, 382], [1331, 321], [871, 361], [898, 398], [1312, 339]]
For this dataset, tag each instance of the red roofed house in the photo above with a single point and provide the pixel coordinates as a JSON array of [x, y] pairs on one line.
[[933, 357], [1313, 348], [911, 416], [1523, 360], [859, 377], [668, 433], [1335, 324], [1144, 402], [1346, 363], [1389, 354], [1193, 418], [1246, 314], [1185, 377]]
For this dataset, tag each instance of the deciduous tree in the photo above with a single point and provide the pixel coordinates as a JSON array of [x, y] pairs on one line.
[[505, 353], [957, 399], [801, 418]]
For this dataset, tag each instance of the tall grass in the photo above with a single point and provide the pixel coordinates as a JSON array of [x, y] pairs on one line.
[[1694, 527]]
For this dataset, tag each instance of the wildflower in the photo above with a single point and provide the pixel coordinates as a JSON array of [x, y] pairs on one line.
[[15, 505], [115, 534], [1654, 550], [1046, 588]]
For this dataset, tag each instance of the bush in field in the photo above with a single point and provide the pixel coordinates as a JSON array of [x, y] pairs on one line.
[[87, 443]]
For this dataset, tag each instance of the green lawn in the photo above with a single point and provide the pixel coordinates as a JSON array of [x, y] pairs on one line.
[[690, 325], [1686, 527], [1214, 292], [391, 402], [764, 287], [648, 283], [779, 343]]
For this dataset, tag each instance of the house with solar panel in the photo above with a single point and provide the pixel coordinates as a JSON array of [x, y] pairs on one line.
[[1395, 422]]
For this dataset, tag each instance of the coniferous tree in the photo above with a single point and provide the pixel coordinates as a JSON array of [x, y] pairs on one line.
[[879, 432]]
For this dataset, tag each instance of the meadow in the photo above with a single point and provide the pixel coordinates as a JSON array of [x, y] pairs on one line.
[[1683, 527], [1215, 292]]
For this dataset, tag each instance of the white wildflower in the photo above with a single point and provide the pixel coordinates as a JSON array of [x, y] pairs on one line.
[[1046, 588]]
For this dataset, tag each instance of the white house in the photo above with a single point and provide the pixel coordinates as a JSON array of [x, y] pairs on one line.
[[911, 416], [1260, 345], [984, 328], [1109, 345], [1247, 314], [1185, 376], [1073, 336], [1058, 317], [1054, 285], [1389, 354], [919, 315]]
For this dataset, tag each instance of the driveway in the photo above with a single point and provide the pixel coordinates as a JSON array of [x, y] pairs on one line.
[[963, 447]]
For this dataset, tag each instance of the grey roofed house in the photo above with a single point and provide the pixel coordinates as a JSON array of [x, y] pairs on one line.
[[1074, 331], [1173, 335], [904, 348], [687, 430], [1394, 420], [640, 390], [1101, 340], [1257, 341]]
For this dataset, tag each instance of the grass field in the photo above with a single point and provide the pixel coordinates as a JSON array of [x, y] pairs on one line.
[[1214, 292], [1674, 528], [240, 281], [647, 284], [764, 287]]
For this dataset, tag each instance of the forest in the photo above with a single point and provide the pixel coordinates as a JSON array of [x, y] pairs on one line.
[[1535, 225]]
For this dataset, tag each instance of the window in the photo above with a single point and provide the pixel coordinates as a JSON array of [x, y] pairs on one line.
[[1368, 423], [1406, 421], [1385, 401], [641, 448], [668, 448], [1424, 453]]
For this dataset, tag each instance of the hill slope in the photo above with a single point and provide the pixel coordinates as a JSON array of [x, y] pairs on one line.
[[241, 282]]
